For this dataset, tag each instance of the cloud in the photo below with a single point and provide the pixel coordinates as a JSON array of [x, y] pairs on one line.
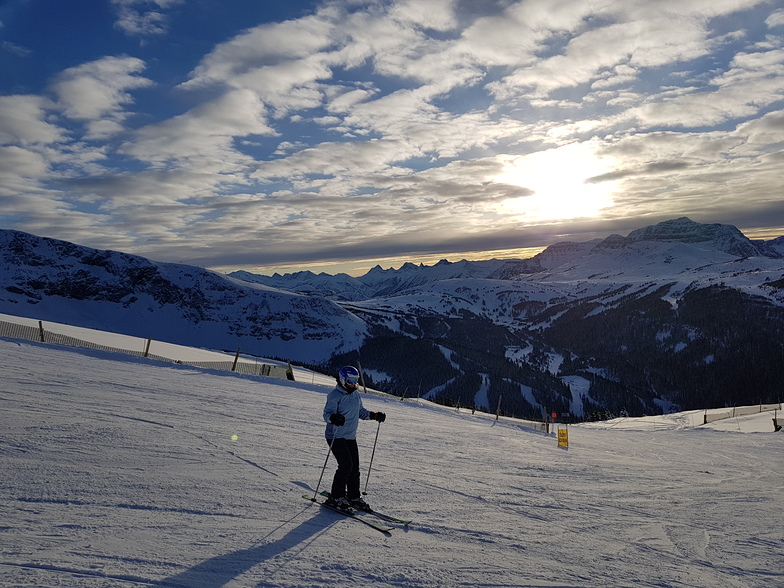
[[659, 167], [438, 15], [753, 81], [345, 101], [143, 17], [385, 128], [34, 151], [23, 121], [254, 56], [287, 63], [98, 91], [337, 160], [14, 49], [765, 133], [19, 171], [663, 171], [620, 37], [776, 19], [204, 136]]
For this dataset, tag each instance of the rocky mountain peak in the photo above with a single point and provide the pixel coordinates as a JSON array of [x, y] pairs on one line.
[[726, 238]]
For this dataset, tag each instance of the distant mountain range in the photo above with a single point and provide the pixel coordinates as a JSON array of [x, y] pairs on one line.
[[680, 313], [382, 283]]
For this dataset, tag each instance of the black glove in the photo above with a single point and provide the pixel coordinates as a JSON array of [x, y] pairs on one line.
[[378, 416], [337, 419]]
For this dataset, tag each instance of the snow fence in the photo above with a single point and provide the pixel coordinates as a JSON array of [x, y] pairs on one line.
[[739, 411], [31, 333]]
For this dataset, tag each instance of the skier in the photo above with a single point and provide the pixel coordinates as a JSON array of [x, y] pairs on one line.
[[342, 413]]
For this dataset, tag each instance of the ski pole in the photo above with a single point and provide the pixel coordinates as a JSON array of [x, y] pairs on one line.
[[367, 478], [322, 470]]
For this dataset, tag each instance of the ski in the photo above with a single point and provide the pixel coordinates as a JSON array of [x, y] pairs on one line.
[[383, 528], [388, 518], [380, 515], [384, 517]]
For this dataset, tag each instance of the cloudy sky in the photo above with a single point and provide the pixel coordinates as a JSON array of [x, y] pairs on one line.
[[331, 136]]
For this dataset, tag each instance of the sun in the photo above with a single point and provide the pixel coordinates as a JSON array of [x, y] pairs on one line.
[[558, 179]]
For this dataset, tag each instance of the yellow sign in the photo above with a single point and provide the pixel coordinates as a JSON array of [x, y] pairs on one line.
[[563, 437]]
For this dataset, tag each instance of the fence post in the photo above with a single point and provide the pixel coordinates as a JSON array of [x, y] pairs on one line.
[[41, 331], [362, 376], [147, 348], [290, 372], [236, 359]]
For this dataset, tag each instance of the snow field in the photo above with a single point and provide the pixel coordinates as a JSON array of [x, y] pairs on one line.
[[122, 472]]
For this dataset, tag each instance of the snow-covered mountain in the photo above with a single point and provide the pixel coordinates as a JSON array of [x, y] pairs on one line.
[[58, 281], [380, 282], [675, 247], [726, 238], [674, 312], [678, 313]]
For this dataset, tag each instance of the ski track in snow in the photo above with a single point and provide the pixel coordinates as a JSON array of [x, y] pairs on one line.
[[119, 472]]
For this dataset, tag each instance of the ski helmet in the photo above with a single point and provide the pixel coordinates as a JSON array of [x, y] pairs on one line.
[[348, 377]]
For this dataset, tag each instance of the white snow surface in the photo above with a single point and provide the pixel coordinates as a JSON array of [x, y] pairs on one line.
[[120, 471], [172, 351]]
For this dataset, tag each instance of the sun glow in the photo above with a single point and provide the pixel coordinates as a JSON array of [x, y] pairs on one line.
[[558, 179]]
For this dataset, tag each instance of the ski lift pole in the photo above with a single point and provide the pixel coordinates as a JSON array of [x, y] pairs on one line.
[[367, 478]]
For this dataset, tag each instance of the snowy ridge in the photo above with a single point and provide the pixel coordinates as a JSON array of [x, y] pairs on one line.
[[380, 282], [679, 246], [726, 238], [53, 280]]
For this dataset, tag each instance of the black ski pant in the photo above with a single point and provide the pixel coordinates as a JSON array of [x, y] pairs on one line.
[[345, 484]]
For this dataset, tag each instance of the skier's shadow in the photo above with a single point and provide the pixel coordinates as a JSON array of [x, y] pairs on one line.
[[222, 569]]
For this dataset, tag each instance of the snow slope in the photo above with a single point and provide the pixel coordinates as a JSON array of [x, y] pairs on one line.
[[176, 353], [119, 471]]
